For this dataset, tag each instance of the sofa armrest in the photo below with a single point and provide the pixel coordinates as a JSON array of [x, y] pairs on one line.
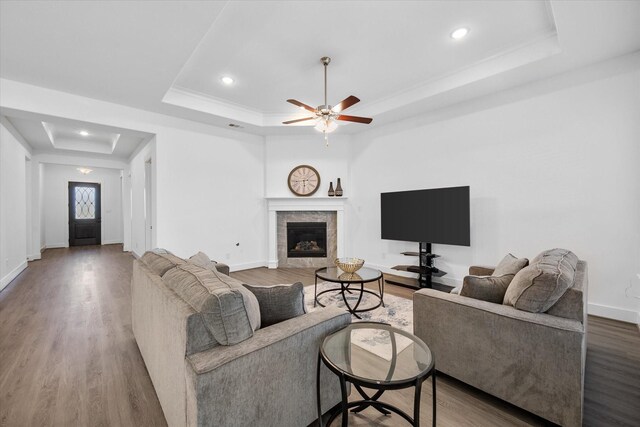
[[222, 268], [481, 270], [275, 370]]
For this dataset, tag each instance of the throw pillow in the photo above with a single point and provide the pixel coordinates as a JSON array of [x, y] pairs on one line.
[[202, 260], [539, 286], [221, 305], [486, 288], [510, 265], [279, 302]]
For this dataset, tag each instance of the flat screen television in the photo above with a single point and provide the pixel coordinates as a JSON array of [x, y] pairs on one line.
[[438, 215]]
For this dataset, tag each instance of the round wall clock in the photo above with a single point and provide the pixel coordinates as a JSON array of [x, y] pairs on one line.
[[303, 180]]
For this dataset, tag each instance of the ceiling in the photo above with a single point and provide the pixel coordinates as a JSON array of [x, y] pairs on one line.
[[54, 135], [396, 56]]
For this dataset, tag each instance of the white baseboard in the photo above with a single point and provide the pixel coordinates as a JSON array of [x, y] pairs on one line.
[[615, 313], [111, 242], [34, 257], [136, 255], [12, 275], [56, 246], [247, 265]]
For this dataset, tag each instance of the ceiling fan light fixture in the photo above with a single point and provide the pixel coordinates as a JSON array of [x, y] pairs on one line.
[[459, 33], [325, 126]]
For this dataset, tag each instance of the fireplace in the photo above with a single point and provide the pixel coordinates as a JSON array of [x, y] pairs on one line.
[[306, 239]]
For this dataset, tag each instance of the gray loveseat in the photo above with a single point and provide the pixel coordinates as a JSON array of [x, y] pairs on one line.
[[535, 361], [266, 380]]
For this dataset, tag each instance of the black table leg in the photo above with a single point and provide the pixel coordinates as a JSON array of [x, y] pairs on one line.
[[433, 391], [315, 292], [416, 403], [318, 391], [345, 403]]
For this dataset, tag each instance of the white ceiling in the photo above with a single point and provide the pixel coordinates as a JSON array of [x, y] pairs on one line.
[[54, 135], [396, 56]]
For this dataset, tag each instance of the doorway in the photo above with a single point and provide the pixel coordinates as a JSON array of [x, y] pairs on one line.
[[85, 220]]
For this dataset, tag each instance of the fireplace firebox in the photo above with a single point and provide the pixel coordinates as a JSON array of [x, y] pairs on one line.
[[306, 239]]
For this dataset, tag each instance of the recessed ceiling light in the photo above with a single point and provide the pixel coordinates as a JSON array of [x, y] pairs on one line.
[[84, 133], [227, 80], [459, 33]]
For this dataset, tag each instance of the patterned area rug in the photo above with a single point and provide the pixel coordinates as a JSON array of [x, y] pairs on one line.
[[397, 312]]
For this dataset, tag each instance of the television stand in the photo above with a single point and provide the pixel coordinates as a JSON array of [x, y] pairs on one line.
[[425, 268]]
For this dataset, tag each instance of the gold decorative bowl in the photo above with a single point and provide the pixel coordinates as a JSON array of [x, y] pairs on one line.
[[349, 265]]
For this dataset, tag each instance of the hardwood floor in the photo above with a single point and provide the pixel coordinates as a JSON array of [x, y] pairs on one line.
[[67, 353], [68, 356]]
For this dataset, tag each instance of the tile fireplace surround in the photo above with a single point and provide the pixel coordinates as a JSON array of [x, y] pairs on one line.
[[329, 209]]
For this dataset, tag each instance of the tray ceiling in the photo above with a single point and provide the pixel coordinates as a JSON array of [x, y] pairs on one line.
[[396, 56]]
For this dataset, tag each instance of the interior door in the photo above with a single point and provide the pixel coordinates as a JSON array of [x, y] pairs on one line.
[[84, 214]]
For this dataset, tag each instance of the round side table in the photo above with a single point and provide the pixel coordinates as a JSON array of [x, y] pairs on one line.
[[407, 368]]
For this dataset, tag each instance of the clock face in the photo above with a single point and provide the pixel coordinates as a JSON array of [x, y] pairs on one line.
[[304, 180]]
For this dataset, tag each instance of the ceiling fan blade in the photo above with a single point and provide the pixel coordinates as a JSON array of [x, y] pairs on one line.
[[301, 104], [365, 120], [344, 104], [297, 120]]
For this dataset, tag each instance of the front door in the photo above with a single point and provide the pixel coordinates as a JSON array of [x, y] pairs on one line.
[[84, 213]]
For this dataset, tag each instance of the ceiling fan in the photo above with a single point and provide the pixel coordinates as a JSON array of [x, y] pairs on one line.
[[326, 115]]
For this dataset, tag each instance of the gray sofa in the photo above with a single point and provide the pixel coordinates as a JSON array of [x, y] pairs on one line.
[[266, 380], [535, 361]]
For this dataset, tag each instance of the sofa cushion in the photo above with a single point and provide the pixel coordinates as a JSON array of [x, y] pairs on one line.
[[160, 261], [486, 288], [539, 286], [510, 265], [220, 304], [279, 302]]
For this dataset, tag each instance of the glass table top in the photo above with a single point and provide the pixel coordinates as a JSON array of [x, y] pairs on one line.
[[334, 274], [401, 357]]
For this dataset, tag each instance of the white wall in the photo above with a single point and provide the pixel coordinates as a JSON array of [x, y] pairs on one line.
[[210, 196], [13, 207], [556, 170], [55, 202], [283, 153]]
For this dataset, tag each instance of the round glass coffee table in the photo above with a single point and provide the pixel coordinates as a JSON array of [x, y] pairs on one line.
[[346, 281], [410, 366]]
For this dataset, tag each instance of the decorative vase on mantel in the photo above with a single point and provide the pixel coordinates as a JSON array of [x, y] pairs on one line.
[[331, 192], [338, 189]]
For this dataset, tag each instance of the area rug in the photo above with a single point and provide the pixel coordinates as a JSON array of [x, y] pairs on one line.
[[398, 312]]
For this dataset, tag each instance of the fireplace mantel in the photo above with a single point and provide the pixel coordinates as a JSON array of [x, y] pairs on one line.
[[303, 204]]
